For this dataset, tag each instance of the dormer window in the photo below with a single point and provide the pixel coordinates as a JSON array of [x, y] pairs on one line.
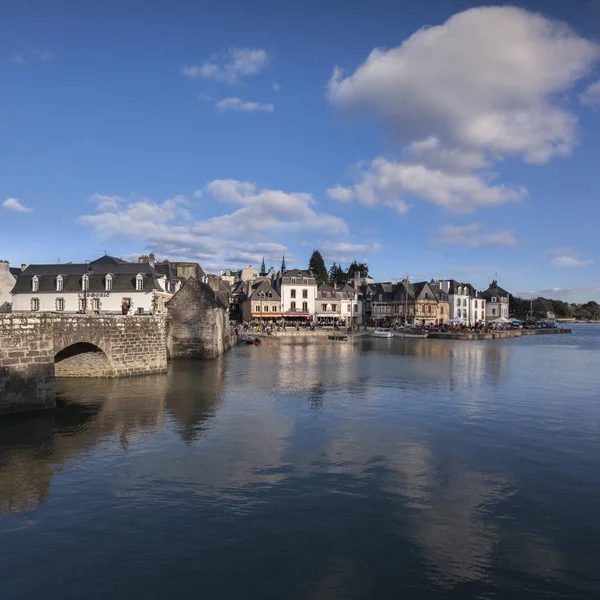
[[108, 283], [139, 282], [460, 290], [35, 283], [85, 283], [59, 283]]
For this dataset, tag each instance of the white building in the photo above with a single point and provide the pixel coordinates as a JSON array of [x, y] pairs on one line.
[[497, 302], [298, 291], [351, 305], [328, 306], [464, 300], [100, 286]]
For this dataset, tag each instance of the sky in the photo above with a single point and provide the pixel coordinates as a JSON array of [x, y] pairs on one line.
[[439, 139]]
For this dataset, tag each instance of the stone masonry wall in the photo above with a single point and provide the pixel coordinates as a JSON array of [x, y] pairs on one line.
[[198, 327], [29, 342]]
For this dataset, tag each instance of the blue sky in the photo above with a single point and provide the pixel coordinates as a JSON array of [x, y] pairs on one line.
[[433, 138]]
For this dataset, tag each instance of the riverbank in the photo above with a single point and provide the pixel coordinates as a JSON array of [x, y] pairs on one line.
[[323, 335]]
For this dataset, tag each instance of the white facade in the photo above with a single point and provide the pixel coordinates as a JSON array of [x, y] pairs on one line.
[[496, 307], [352, 310], [465, 303], [298, 291]]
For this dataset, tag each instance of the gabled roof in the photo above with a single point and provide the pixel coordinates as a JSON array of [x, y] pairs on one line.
[[325, 287], [297, 273], [494, 290], [107, 259], [265, 287]]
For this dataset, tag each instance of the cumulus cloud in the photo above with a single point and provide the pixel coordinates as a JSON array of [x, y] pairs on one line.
[[392, 183], [487, 79], [345, 252], [488, 83], [591, 96], [567, 257], [235, 237], [14, 205], [230, 67], [240, 105], [471, 235]]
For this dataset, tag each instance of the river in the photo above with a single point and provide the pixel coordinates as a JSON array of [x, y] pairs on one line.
[[379, 469]]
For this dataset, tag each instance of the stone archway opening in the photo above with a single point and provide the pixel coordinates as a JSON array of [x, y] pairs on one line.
[[82, 360]]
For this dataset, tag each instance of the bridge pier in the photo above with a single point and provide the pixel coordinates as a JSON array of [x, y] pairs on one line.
[[36, 348]]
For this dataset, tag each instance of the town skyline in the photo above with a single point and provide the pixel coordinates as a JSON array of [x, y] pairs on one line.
[[226, 136]]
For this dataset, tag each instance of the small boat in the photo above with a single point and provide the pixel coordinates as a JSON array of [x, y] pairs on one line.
[[338, 337], [250, 339], [382, 333], [410, 333]]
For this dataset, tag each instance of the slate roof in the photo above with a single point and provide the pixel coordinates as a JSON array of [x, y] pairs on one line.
[[454, 285], [123, 276], [264, 286], [494, 290], [15, 271]]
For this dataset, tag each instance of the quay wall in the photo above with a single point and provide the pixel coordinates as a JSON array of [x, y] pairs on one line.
[[497, 335]]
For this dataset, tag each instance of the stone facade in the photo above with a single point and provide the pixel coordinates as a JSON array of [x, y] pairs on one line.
[[80, 345], [7, 282], [198, 323]]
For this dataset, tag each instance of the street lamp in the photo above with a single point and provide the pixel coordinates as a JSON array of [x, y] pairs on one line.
[[86, 282]]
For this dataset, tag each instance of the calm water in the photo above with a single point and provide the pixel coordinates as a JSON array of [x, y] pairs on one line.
[[385, 469]]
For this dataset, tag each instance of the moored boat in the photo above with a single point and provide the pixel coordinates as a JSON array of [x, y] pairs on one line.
[[382, 333]]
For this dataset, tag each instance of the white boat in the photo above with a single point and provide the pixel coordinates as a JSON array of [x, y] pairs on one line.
[[410, 334], [382, 333]]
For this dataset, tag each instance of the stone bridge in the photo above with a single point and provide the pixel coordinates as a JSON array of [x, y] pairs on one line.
[[37, 348]]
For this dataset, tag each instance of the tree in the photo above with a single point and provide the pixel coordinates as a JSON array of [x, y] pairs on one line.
[[357, 267], [316, 264], [337, 275]]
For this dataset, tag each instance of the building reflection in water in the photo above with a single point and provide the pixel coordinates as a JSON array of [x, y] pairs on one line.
[[90, 412]]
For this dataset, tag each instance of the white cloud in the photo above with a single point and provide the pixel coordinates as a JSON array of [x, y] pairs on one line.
[[341, 194], [393, 183], [230, 67], [19, 59], [228, 239], [204, 97], [471, 235], [486, 80], [14, 205], [276, 87], [240, 105], [345, 252], [591, 95], [567, 257]]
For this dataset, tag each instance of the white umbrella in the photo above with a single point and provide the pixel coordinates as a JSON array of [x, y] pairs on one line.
[[456, 320], [502, 320]]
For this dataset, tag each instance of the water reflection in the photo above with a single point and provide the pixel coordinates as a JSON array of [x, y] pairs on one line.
[[90, 412]]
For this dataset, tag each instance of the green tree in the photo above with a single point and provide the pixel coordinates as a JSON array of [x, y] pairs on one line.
[[357, 267], [337, 275], [316, 264]]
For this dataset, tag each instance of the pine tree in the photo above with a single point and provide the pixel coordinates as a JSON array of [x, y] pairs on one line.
[[316, 264]]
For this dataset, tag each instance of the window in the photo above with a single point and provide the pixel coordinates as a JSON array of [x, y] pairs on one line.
[[257, 308], [356, 308], [59, 283], [493, 312], [274, 309], [476, 315], [96, 304], [293, 306], [85, 283], [460, 290], [270, 295], [305, 307], [108, 283], [35, 284], [324, 294], [305, 293], [464, 302], [140, 310], [324, 307], [441, 310], [60, 304], [35, 304], [139, 282], [266, 308], [334, 307], [293, 280], [426, 296], [293, 294], [494, 299], [475, 305], [82, 304]]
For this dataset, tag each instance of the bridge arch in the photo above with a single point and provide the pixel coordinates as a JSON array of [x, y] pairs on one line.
[[82, 359]]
